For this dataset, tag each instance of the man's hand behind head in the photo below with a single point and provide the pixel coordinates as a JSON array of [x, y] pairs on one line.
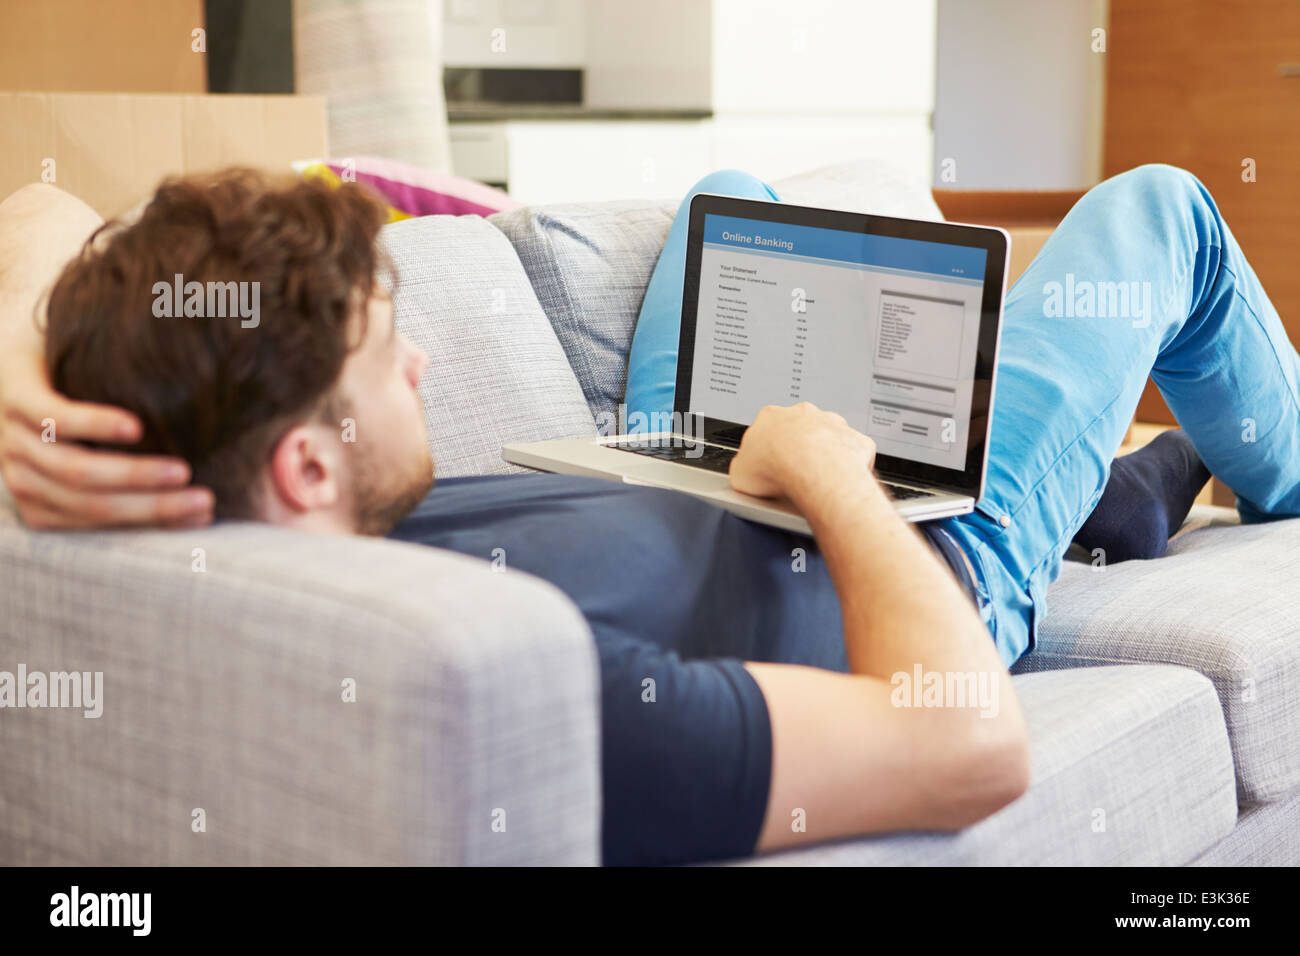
[[57, 482]]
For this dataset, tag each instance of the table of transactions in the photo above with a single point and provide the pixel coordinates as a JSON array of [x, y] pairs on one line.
[[892, 351]]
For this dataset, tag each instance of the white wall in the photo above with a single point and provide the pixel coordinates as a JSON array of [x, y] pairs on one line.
[[535, 33], [819, 57], [792, 85], [649, 54], [799, 84], [1020, 94]]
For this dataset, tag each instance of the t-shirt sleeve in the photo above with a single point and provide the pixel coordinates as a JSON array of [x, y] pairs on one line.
[[687, 756]]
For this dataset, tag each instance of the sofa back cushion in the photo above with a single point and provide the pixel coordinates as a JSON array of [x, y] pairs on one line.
[[496, 370], [869, 185], [589, 263]]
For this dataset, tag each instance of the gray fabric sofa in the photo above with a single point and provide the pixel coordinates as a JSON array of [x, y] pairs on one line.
[[274, 698]]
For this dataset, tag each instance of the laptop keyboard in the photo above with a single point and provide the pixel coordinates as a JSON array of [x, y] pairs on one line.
[[697, 454], [899, 493], [718, 458]]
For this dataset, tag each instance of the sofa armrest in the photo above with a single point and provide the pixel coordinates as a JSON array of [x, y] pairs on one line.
[[227, 656]]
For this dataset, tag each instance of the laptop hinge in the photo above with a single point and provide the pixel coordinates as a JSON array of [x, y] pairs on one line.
[[890, 476]]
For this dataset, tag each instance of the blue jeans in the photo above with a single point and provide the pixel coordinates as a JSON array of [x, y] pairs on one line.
[[1068, 381]]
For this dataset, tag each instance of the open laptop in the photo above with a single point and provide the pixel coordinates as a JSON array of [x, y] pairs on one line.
[[892, 323]]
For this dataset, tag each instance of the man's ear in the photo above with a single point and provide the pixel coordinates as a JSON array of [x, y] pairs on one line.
[[306, 470]]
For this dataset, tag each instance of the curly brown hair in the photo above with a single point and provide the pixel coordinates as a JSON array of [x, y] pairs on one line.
[[210, 389]]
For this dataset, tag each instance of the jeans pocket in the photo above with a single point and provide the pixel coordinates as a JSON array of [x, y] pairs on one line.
[[983, 586], [1037, 591], [990, 520]]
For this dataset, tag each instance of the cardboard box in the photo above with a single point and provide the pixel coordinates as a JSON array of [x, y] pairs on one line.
[[145, 46], [1025, 243], [112, 149]]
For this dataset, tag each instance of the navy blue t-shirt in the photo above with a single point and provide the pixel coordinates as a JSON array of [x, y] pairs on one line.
[[678, 593]]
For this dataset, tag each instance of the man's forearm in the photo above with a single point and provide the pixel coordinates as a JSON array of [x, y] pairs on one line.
[[846, 747], [41, 228], [901, 607]]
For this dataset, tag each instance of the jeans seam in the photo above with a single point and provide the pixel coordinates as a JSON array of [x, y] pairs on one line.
[[1295, 399]]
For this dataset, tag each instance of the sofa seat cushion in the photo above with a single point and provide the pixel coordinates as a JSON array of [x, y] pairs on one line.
[[1267, 834], [1130, 765], [1222, 602], [496, 372]]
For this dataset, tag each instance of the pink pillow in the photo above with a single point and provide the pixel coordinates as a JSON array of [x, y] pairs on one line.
[[420, 192]]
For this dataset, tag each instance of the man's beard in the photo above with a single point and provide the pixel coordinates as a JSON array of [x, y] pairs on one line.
[[381, 498]]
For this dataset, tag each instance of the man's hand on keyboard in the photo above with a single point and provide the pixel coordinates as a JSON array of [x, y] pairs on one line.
[[792, 451]]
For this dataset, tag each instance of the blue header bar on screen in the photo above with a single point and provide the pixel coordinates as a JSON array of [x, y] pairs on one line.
[[813, 242]]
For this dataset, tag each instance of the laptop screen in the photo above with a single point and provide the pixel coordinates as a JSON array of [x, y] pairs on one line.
[[882, 329]]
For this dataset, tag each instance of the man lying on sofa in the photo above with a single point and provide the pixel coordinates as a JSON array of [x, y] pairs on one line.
[[744, 706]]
